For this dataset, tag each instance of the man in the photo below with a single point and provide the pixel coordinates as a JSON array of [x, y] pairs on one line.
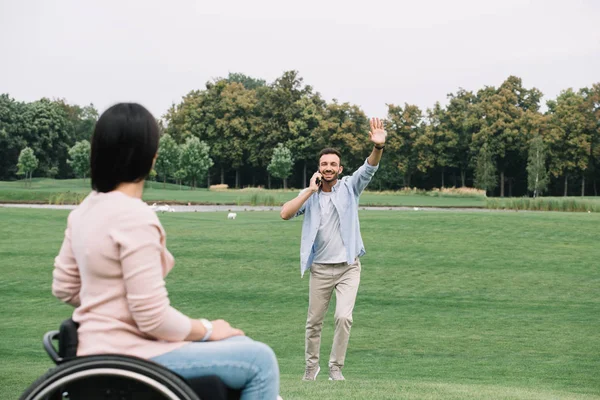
[[331, 246]]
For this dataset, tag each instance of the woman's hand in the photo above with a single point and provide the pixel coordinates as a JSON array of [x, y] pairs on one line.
[[222, 330]]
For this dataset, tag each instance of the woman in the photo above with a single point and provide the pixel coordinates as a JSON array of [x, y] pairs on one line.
[[113, 262]]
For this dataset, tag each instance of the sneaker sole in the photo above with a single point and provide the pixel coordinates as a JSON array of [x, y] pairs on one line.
[[337, 379], [316, 374]]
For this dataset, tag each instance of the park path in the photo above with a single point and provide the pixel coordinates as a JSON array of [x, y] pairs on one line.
[[232, 208]]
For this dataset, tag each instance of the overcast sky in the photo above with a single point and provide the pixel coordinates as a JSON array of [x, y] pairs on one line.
[[369, 52]]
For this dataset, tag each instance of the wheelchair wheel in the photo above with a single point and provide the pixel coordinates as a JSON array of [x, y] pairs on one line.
[[109, 377]]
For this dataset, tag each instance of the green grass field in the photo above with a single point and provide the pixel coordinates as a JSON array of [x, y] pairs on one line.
[[72, 191], [452, 305], [47, 191]]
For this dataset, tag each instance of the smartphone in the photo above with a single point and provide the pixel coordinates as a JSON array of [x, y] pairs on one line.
[[318, 181]]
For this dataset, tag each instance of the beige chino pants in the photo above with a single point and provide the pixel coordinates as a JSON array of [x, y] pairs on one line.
[[324, 279]]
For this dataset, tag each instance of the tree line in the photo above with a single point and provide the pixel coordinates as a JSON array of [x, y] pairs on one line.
[[242, 131]]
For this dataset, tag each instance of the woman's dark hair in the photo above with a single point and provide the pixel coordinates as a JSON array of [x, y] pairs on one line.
[[124, 144]]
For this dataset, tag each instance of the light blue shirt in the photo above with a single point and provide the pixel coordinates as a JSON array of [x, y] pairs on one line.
[[345, 199]]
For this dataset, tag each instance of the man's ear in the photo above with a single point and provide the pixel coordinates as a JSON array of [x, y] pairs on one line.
[[341, 169]]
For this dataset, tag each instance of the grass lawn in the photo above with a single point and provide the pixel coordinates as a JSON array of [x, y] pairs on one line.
[[57, 191], [451, 305]]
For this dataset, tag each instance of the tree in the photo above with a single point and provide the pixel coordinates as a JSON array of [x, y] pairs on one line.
[[161, 126], [28, 162], [592, 113], [81, 120], [235, 126], [297, 113], [49, 133], [569, 139], [79, 158], [248, 81], [87, 121], [281, 163], [224, 117], [242, 126], [288, 112], [195, 160], [485, 171], [436, 146], [537, 173], [12, 131], [151, 177], [387, 176], [461, 119], [404, 129], [302, 129], [178, 117], [501, 111], [179, 176], [49, 127], [168, 157]]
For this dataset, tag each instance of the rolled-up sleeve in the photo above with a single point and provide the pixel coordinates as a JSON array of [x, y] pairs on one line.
[[66, 281], [147, 297], [362, 176], [302, 208]]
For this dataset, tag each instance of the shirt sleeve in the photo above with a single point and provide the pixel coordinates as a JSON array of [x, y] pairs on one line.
[[140, 253], [362, 176], [66, 282], [302, 209]]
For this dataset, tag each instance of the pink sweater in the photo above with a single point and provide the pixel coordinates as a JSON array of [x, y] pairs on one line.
[[111, 267]]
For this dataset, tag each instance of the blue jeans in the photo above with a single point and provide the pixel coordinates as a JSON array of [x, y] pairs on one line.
[[239, 361]]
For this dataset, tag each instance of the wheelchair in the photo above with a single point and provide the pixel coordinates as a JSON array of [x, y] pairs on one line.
[[114, 377]]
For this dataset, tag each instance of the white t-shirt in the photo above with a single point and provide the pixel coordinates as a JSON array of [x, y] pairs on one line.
[[329, 247]]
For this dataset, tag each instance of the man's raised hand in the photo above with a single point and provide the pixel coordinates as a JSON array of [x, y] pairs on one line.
[[377, 133]]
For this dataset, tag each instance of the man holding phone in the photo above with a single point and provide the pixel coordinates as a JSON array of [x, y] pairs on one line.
[[331, 246]]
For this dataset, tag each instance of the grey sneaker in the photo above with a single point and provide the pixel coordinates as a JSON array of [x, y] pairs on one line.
[[310, 374], [335, 374]]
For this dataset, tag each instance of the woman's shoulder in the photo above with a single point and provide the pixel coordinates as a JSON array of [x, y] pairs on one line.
[[118, 208], [133, 215], [135, 210]]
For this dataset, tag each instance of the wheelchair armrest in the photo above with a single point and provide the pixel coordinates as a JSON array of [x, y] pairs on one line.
[[68, 339], [49, 337], [67, 342]]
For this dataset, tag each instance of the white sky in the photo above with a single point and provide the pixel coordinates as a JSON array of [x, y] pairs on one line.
[[368, 53]]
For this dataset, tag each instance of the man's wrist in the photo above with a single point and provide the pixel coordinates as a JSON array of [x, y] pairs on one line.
[[379, 146]]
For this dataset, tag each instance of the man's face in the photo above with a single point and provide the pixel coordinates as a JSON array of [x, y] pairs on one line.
[[329, 167]]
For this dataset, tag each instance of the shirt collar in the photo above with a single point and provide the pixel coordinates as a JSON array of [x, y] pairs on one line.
[[334, 188]]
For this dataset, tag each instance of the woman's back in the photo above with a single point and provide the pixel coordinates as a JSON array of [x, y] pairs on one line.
[[114, 248]]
